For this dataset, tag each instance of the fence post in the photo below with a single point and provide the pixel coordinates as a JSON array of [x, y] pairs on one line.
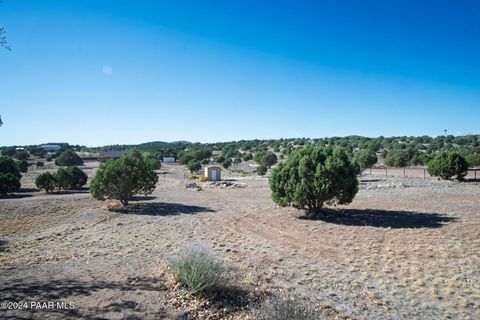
[[386, 173], [423, 173], [404, 172]]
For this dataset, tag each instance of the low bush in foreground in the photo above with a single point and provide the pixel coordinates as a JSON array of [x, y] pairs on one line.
[[197, 269], [282, 308]]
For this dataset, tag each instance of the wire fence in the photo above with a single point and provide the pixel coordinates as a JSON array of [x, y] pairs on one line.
[[422, 172]]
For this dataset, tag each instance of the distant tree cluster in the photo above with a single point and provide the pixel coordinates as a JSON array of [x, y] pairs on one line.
[[68, 158], [70, 178]]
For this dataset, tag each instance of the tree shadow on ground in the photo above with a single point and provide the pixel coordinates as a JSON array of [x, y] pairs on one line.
[[142, 198], [14, 196], [83, 190], [161, 209], [3, 245], [381, 218], [68, 289]]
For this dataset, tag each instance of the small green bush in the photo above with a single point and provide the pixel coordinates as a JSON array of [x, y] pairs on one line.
[[448, 164], [68, 158], [262, 170], [49, 159], [197, 269], [22, 166], [282, 308], [194, 165], [40, 164], [45, 181], [8, 183]]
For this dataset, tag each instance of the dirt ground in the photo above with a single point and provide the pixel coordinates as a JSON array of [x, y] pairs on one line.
[[406, 248]]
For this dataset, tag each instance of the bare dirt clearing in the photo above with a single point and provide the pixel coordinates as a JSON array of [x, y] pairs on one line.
[[406, 248]]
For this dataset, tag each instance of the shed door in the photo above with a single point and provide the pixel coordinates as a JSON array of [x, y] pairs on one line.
[[214, 175]]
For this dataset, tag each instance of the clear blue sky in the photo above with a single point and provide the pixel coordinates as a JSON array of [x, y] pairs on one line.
[[96, 72]]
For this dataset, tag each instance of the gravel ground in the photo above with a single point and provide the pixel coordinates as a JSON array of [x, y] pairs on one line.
[[405, 248]]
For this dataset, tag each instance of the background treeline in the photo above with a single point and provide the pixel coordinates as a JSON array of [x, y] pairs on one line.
[[391, 151]]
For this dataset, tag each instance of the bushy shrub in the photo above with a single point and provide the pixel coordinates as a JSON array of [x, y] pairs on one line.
[[448, 164], [397, 158], [155, 163], [8, 165], [247, 157], [194, 165], [227, 163], [68, 158], [283, 308], [49, 159], [8, 183], [45, 181], [124, 177], [192, 177], [312, 177], [268, 159], [262, 170], [365, 158], [197, 269], [22, 166], [205, 162], [40, 164], [22, 155], [79, 177], [203, 179]]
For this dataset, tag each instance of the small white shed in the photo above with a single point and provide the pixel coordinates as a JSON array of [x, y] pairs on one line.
[[168, 160], [213, 173]]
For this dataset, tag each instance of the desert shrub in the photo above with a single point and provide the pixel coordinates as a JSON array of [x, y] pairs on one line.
[[245, 174], [9, 151], [79, 177], [227, 163], [194, 165], [122, 178], [262, 170], [205, 162], [365, 158], [203, 179], [8, 165], [64, 179], [46, 181], [8, 183], [154, 163], [22, 166], [22, 155], [312, 177], [266, 158], [283, 308], [68, 158], [397, 158], [448, 164], [39, 164], [192, 177], [197, 269], [49, 159], [248, 156]]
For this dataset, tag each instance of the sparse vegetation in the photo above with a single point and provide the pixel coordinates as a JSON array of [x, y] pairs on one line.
[[197, 269], [124, 177], [312, 177]]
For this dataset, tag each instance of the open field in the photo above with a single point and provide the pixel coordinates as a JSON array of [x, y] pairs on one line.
[[405, 249]]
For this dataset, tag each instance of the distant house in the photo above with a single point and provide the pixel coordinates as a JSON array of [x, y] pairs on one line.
[[213, 173], [51, 147], [168, 159], [104, 156]]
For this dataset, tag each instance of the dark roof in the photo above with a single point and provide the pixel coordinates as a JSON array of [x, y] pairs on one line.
[[114, 154]]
